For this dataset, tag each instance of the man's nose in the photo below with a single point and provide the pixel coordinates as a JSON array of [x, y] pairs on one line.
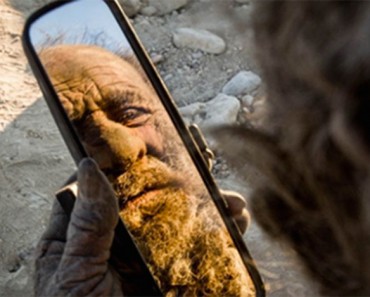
[[117, 147]]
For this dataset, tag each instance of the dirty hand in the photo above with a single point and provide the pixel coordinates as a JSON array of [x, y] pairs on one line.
[[72, 256]]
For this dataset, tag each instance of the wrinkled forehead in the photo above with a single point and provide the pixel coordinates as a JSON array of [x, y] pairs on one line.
[[91, 77]]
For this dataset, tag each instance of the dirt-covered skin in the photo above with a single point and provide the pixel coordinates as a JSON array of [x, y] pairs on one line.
[[34, 161], [72, 255]]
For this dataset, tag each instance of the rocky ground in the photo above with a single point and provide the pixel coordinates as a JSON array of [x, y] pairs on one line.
[[203, 52]]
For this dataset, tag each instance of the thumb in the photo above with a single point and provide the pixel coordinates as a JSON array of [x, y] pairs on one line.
[[94, 218]]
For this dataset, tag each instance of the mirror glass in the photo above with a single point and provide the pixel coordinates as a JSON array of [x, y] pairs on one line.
[[123, 125]]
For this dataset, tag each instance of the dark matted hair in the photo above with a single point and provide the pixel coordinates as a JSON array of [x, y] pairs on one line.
[[314, 151]]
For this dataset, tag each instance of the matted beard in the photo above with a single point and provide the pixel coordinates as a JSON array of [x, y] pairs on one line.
[[183, 240]]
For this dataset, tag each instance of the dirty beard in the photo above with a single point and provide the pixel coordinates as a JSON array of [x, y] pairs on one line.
[[182, 239]]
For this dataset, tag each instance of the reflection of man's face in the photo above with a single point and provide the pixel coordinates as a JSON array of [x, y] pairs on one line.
[[126, 130], [117, 115]]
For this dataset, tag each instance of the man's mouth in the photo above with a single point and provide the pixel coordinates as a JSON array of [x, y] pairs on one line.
[[140, 198], [144, 180]]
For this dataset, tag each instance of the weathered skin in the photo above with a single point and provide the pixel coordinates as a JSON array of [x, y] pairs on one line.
[[123, 127], [71, 257], [315, 148]]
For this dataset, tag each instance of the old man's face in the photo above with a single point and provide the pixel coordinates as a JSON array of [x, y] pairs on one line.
[[118, 118], [124, 127]]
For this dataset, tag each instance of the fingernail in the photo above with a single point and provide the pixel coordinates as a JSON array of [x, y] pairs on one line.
[[88, 164], [87, 174]]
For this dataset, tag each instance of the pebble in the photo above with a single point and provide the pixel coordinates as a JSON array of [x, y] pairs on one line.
[[197, 55], [148, 10], [143, 22], [243, 1], [222, 110], [168, 77], [199, 39], [130, 7], [166, 6], [191, 110], [242, 83], [247, 100], [156, 58]]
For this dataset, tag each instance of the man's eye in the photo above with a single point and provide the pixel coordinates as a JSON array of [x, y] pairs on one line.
[[130, 114], [133, 117]]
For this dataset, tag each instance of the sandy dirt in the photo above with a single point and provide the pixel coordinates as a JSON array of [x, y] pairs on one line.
[[34, 161]]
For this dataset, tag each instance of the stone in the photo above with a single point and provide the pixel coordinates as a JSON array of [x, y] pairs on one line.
[[247, 100], [148, 10], [222, 110], [166, 6], [131, 7], [242, 83], [168, 77], [191, 110], [197, 55], [156, 58], [199, 39]]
